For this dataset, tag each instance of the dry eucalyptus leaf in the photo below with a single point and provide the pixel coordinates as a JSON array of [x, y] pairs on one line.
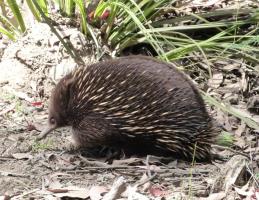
[[8, 109], [241, 129], [131, 193], [126, 161], [21, 95], [96, 192], [233, 87], [215, 196], [231, 174], [230, 67], [73, 192], [216, 80], [20, 156], [243, 192], [5, 197], [253, 104], [204, 3], [118, 187], [240, 142]]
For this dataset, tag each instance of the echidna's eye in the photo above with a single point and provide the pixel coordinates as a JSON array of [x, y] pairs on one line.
[[52, 120]]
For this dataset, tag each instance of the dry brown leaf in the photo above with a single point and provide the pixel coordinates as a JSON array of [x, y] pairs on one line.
[[158, 191], [244, 83], [253, 104], [257, 194], [21, 156], [204, 3], [20, 94], [72, 192], [215, 196], [118, 187], [231, 98], [230, 66], [231, 174], [58, 190], [152, 168], [131, 193], [241, 129], [216, 80], [252, 150], [52, 181], [5, 197], [96, 192], [240, 142], [126, 161], [8, 109], [147, 185], [233, 87], [243, 192]]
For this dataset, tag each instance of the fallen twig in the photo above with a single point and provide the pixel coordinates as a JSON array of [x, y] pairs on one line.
[[3, 173], [118, 187], [24, 194], [232, 150], [146, 180], [94, 162]]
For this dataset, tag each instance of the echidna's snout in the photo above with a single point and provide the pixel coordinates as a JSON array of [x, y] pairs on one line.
[[45, 132], [50, 127]]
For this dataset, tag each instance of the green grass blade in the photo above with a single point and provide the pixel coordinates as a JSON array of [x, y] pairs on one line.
[[7, 24], [33, 10], [70, 7], [44, 6], [129, 26], [139, 25], [17, 14], [102, 6], [111, 19], [81, 7], [7, 33]]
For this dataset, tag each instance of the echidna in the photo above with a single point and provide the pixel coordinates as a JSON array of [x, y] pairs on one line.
[[133, 102]]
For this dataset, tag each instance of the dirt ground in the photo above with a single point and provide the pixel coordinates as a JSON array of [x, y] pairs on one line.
[[46, 170]]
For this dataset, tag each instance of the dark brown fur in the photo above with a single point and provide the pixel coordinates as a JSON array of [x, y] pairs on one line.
[[133, 102]]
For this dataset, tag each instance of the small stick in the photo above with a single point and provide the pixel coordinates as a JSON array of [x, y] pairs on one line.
[[118, 187], [232, 150], [179, 172], [148, 167], [3, 173], [93, 163], [25, 193], [146, 180]]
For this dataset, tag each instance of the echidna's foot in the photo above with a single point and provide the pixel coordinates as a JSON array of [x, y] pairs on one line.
[[71, 147], [109, 153], [92, 152], [113, 153]]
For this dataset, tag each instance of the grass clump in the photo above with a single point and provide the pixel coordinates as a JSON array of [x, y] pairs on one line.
[[38, 146]]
